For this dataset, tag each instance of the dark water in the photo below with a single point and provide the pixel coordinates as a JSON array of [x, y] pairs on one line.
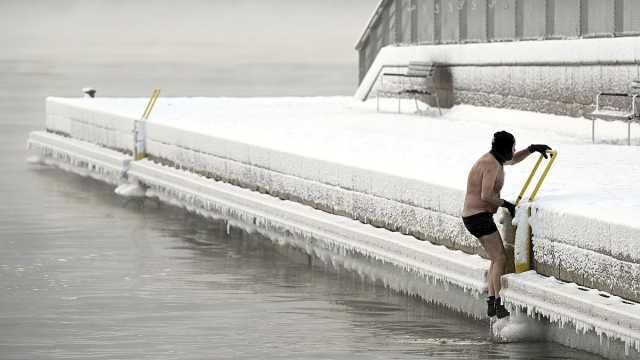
[[84, 274]]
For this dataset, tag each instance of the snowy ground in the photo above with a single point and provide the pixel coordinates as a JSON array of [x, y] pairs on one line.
[[595, 181], [584, 219]]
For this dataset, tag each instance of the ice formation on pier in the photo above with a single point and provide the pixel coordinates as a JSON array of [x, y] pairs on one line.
[[348, 165], [78, 157], [329, 237]]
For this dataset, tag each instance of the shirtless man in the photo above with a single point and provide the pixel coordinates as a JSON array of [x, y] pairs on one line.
[[483, 200]]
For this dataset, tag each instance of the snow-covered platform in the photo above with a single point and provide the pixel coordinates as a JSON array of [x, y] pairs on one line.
[[569, 305], [405, 173]]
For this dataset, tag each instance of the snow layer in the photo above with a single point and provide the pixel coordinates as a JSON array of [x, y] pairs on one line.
[[403, 172], [586, 310], [284, 176], [80, 120], [608, 50], [325, 139]]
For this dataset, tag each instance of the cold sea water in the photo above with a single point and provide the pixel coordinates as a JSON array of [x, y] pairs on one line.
[[85, 274]]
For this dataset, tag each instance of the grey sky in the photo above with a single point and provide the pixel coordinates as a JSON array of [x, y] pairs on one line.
[[226, 31]]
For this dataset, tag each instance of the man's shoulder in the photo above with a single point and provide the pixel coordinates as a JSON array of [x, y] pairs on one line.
[[487, 161]]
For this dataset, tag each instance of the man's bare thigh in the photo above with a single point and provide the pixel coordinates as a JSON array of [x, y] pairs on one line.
[[492, 244]]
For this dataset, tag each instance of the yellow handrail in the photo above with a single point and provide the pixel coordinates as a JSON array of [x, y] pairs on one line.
[[525, 265], [150, 104], [553, 154], [139, 127]]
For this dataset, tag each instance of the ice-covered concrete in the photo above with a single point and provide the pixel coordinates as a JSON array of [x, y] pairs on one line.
[[450, 278], [79, 157], [559, 76], [103, 127], [586, 310], [339, 234], [403, 172]]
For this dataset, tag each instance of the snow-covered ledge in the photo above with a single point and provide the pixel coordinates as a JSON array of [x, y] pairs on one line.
[[558, 76]]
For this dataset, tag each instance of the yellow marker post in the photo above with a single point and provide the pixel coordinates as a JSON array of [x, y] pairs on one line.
[[523, 265], [139, 133]]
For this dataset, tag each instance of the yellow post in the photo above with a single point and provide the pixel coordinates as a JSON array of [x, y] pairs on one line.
[[139, 133], [524, 264]]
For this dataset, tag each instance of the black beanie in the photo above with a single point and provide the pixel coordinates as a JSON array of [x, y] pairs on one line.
[[502, 146]]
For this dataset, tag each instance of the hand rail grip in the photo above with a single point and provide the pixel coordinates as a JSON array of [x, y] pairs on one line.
[[553, 154]]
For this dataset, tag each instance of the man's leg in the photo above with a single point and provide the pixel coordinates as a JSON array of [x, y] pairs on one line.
[[492, 244], [490, 282]]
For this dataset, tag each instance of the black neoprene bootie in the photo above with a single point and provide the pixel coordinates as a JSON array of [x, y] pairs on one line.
[[491, 306], [500, 311]]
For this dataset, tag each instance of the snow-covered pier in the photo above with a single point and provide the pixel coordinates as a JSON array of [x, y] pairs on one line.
[[361, 189]]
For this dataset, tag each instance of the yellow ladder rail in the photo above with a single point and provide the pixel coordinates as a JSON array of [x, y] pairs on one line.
[[150, 104], [520, 264], [139, 131], [553, 155]]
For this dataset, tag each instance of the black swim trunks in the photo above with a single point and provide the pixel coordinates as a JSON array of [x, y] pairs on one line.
[[480, 224]]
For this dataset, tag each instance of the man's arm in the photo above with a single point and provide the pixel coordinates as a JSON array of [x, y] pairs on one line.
[[488, 192], [518, 156], [522, 154]]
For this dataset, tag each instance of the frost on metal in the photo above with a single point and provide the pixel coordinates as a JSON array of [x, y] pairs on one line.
[[78, 157]]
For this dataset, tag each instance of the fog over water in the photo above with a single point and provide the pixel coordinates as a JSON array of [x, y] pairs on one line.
[[223, 32], [85, 274]]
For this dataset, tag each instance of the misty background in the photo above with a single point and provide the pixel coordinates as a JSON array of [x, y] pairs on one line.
[[86, 274], [239, 45]]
